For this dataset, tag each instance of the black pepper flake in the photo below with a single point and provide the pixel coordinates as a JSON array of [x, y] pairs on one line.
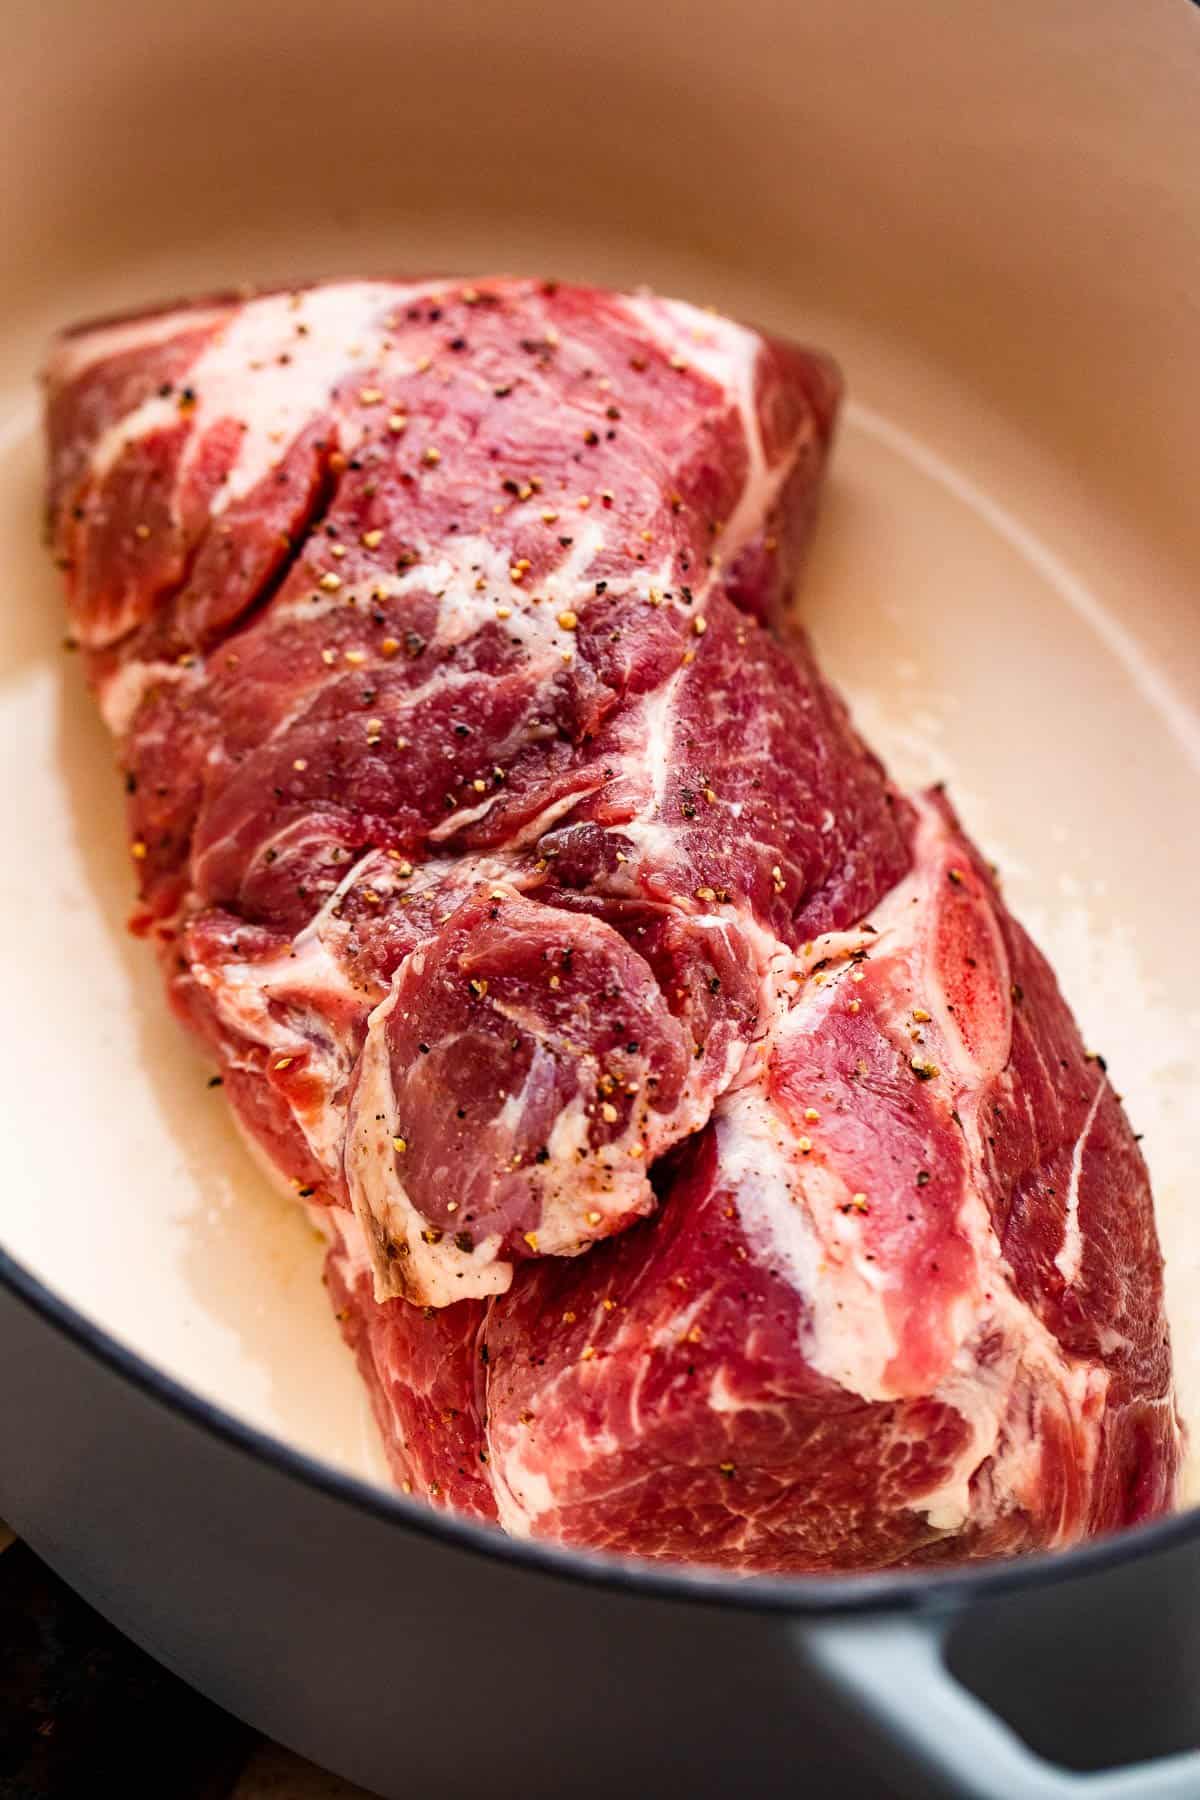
[[305, 1193], [485, 1355], [602, 587], [414, 644], [923, 1178], [215, 1081]]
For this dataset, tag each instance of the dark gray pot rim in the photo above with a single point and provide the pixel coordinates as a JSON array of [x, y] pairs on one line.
[[910, 1591]]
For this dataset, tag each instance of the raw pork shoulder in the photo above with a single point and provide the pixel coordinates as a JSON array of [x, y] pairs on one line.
[[710, 1165]]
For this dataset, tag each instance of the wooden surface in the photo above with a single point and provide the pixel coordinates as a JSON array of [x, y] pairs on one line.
[[83, 1712]]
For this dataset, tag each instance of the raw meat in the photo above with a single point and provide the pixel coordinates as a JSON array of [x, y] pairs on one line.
[[710, 1165]]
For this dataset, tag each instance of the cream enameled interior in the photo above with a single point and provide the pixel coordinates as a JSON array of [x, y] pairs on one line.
[[992, 215]]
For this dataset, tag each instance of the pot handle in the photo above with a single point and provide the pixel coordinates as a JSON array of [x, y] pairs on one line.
[[895, 1670]]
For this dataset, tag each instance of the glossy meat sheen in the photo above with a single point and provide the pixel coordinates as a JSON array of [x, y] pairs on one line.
[[711, 1167]]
